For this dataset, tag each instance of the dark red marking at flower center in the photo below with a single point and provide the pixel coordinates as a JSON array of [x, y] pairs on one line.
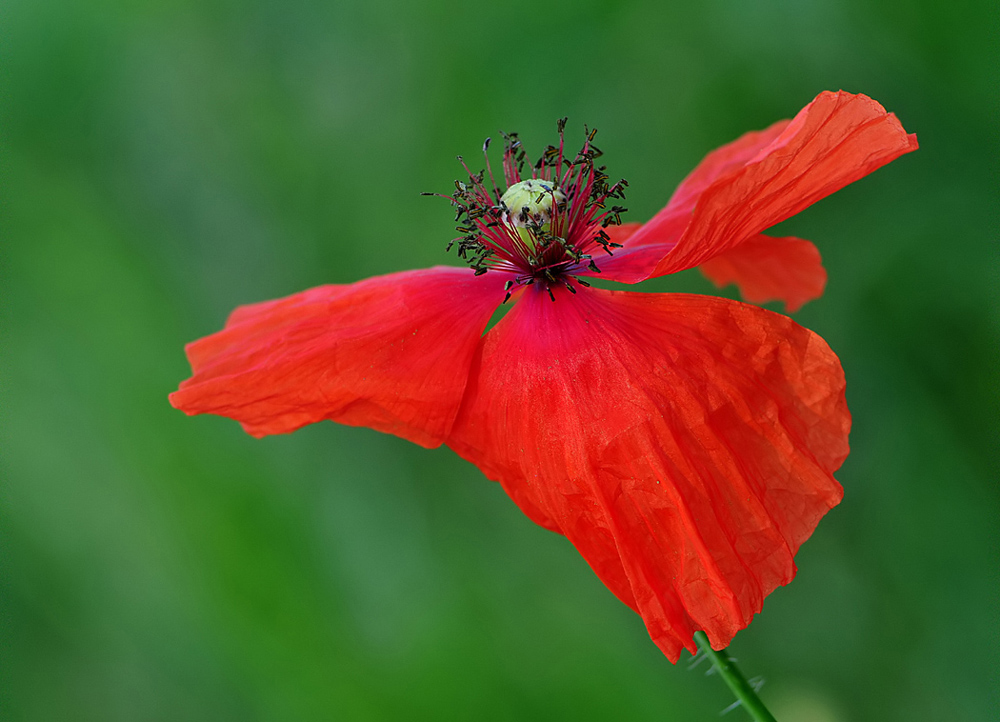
[[556, 220]]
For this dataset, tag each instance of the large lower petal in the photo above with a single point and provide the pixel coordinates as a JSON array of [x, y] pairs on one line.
[[684, 444], [391, 353], [761, 179], [766, 268]]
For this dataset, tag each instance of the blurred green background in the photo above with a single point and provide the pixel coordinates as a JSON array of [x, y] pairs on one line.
[[165, 161]]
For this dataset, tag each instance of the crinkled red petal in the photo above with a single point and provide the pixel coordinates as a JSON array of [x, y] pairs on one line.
[[684, 444], [729, 157], [663, 230], [391, 353], [766, 268], [761, 179]]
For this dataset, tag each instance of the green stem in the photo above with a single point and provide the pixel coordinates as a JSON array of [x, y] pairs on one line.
[[744, 692]]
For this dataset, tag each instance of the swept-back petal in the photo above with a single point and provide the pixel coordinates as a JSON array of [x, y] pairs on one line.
[[746, 187], [684, 444], [391, 352], [724, 159], [766, 268]]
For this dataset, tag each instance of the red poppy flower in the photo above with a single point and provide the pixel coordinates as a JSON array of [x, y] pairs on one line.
[[684, 444]]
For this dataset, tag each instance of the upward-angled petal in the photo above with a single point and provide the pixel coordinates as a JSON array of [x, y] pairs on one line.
[[684, 444], [391, 353], [761, 179], [721, 161]]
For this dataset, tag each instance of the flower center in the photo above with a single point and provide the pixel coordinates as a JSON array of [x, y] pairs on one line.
[[529, 205], [543, 229]]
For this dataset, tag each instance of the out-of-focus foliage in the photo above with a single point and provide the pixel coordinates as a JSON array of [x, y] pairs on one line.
[[165, 161]]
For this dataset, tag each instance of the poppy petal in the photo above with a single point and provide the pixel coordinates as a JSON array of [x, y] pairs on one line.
[[391, 353], [729, 157], [632, 262], [766, 268], [684, 444], [760, 180]]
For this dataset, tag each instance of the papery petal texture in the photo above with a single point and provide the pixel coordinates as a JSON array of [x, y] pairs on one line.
[[684, 444], [391, 353], [761, 179], [717, 164], [766, 268]]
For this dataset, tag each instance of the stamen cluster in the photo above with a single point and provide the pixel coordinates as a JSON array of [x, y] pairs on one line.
[[545, 239]]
